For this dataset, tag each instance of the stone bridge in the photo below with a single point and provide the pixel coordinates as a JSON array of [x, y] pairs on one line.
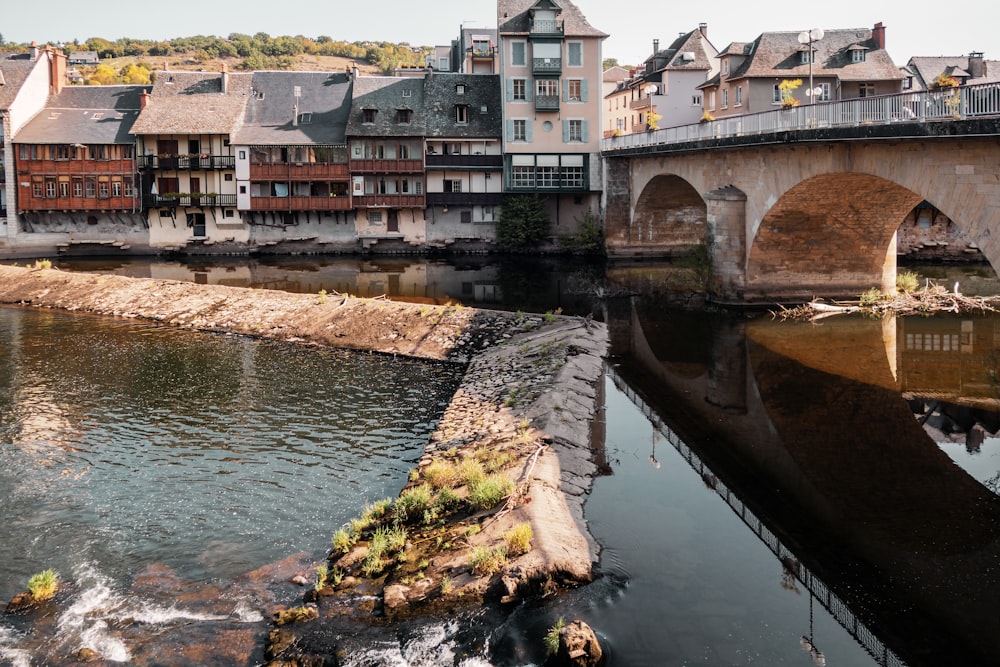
[[789, 215]]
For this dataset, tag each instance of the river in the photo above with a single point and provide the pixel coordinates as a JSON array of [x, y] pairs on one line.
[[776, 494]]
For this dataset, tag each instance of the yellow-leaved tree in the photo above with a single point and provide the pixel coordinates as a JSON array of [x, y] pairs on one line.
[[135, 74], [786, 88], [104, 75]]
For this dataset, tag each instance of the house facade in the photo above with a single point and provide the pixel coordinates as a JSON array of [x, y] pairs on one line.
[[927, 72], [842, 64], [475, 50], [551, 74]]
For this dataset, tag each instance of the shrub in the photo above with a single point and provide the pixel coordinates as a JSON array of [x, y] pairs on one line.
[[384, 542], [489, 491], [343, 540], [441, 474], [907, 282], [552, 637], [518, 539], [871, 297], [487, 561], [321, 572], [43, 585], [523, 222], [471, 471], [412, 503]]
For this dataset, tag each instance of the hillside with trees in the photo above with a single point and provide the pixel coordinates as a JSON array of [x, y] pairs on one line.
[[136, 61]]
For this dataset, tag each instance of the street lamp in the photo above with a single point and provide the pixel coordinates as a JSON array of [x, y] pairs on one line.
[[810, 37]]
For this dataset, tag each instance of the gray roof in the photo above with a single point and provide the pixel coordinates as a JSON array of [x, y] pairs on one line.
[[672, 57], [85, 115], [925, 69], [268, 114], [14, 70], [386, 95], [193, 103], [480, 91], [515, 17], [777, 54]]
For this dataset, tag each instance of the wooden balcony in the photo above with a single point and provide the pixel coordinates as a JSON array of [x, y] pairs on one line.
[[464, 198], [299, 171], [435, 161], [75, 167], [161, 201], [381, 166], [186, 162], [31, 203], [296, 203], [389, 201]]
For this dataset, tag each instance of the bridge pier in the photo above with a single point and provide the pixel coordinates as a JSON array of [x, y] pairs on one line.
[[617, 204], [726, 216]]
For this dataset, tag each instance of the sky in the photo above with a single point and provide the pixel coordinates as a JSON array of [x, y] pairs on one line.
[[910, 29]]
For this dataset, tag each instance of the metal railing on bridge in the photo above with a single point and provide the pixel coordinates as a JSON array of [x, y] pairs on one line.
[[913, 107]]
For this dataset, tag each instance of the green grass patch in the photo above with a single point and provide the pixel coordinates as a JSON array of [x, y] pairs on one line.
[[518, 539], [489, 491], [485, 561], [43, 585]]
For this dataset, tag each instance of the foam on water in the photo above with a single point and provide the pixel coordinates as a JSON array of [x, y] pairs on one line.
[[431, 646]]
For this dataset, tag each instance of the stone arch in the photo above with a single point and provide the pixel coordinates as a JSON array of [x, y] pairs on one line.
[[669, 216], [829, 235]]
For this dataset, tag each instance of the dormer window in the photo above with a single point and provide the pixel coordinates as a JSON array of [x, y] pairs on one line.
[[403, 116], [461, 114], [460, 89], [725, 66], [368, 116], [806, 56], [858, 54]]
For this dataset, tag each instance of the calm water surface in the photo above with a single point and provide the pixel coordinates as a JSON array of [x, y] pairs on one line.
[[774, 494]]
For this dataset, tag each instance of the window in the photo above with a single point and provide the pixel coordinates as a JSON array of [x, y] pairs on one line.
[[725, 99], [520, 132], [50, 188], [572, 177], [575, 90], [77, 186], [806, 56], [103, 191], [518, 54], [824, 94], [520, 89], [129, 190], [711, 100], [63, 188], [368, 115], [775, 94], [575, 130], [466, 216], [739, 95], [305, 118], [404, 151], [116, 188], [547, 177], [460, 89], [453, 185], [443, 63], [857, 55], [574, 54], [696, 100], [461, 114], [725, 66], [227, 177], [374, 217], [866, 90], [37, 186], [522, 176], [547, 88], [407, 92], [403, 116]]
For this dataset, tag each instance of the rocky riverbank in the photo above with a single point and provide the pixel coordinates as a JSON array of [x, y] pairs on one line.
[[494, 510]]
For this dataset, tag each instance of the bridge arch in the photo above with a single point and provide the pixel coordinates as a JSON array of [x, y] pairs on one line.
[[830, 234], [669, 215]]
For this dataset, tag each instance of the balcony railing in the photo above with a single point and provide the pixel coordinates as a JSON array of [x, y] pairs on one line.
[[297, 203], [186, 162], [482, 52], [913, 107], [76, 167], [389, 201], [299, 171], [464, 161], [174, 201], [546, 27], [546, 103], [464, 198], [546, 65], [69, 203], [386, 166]]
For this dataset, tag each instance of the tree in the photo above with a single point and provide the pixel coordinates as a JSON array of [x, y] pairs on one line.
[[135, 74], [104, 75], [610, 62], [523, 222]]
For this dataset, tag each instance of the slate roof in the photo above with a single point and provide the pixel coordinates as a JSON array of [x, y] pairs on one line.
[[14, 70], [269, 110], [85, 115], [387, 94], [777, 54], [193, 103], [925, 69], [515, 18], [441, 98], [672, 58]]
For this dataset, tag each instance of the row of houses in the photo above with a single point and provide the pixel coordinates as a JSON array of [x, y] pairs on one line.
[[285, 161], [272, 161], [691, 79]]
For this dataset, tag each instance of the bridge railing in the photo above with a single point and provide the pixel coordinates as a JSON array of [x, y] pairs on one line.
[[921, 106]]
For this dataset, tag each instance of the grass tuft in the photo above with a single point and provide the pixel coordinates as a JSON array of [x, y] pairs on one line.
[[43, 585]]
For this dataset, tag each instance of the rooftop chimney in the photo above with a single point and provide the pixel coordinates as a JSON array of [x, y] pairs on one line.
[[57, 69], [703, 29], [143, 99], [878, 34], [656, 46], [224, 75], [34, 50], [977, 66]]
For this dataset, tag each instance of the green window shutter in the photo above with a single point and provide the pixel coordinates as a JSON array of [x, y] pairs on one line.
[[583, 133], [527, 131], [565, 124], [583, 90], [510, 89]]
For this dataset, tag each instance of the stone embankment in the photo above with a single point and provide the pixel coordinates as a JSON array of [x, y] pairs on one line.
[[525, 413]]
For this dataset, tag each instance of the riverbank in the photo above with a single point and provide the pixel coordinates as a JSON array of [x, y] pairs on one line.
[[524, 409]]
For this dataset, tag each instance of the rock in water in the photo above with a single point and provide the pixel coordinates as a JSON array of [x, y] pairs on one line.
[[578, 646]]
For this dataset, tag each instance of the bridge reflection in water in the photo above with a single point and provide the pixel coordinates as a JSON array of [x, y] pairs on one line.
[[806, 433]]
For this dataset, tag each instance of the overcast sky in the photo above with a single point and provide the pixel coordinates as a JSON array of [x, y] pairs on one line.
[[911, 28]]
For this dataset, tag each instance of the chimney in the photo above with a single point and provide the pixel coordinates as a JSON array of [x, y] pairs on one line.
[[354, 72], [656, 46], [977, 66], [703, 29], [143, 99], [57, 69], [878, 34], [224, 76], [34, 51]]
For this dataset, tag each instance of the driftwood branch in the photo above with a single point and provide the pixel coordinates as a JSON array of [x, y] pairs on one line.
[[932, 299]]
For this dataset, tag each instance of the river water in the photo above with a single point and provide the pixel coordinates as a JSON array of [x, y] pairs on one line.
[[773, 493]]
